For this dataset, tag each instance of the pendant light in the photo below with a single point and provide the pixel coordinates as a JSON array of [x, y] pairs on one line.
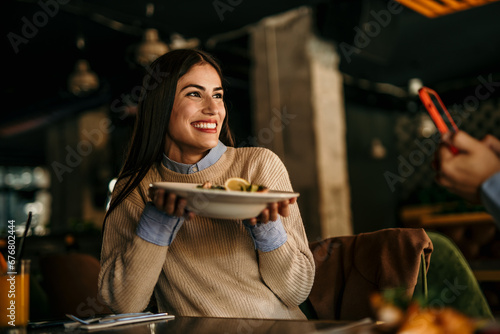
[[150, 48], [82, 80]]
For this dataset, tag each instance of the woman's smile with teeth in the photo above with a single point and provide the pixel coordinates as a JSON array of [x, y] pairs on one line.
[[205, 125]]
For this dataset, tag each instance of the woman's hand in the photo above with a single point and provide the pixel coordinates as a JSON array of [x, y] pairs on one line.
[[169, 203], [272, 211]]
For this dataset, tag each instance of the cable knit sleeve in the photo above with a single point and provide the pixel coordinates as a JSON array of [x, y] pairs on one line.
[[130, 266], [288, 270]]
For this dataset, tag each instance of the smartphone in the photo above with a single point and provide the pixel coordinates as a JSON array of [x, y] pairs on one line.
[[439, 114]]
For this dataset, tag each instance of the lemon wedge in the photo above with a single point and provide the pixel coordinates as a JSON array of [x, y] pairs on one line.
[[236, 184]]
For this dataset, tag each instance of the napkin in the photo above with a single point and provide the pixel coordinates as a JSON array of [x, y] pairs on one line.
[[118, 320]]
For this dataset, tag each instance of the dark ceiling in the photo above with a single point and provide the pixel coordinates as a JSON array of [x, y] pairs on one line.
[[41, 66], [455, 47]]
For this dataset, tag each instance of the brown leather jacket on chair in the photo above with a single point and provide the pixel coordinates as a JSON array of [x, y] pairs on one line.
[[350, 268]]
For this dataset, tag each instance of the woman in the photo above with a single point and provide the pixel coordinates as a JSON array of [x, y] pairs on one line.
[[197, 266]]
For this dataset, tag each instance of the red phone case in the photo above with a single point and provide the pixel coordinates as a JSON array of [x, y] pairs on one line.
[[425, 94]]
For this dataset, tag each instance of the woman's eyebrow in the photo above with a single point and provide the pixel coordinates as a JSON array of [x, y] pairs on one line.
[[200, 87]]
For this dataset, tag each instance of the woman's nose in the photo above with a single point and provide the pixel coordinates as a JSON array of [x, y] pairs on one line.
[[211, 107]]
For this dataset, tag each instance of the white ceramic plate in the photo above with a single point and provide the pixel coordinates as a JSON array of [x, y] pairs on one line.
[[224, 204]]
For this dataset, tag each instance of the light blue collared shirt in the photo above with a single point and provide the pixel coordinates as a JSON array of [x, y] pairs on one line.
[[159, 228], [490, 196], [208, 160]]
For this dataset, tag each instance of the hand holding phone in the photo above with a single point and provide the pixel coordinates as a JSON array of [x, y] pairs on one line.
[[438, 112]]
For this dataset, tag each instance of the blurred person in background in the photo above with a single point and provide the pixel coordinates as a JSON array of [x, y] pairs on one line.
[[473, 173]]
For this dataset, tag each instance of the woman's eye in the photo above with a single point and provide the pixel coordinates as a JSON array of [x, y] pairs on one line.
[[195, 94], [218, 96]]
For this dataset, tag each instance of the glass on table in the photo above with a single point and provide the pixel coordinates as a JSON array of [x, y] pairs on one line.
[[15, 296]]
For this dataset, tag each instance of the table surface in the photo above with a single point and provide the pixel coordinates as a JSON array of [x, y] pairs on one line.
[[202, 325]]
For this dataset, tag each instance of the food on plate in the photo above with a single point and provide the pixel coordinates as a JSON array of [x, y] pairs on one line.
[[235, 184], [412, 318], [388, 313], [436, 320], [209, 185]]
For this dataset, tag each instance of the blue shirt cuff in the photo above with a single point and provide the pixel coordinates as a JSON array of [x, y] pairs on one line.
[[157, 227], [268, 237], [490, 196]]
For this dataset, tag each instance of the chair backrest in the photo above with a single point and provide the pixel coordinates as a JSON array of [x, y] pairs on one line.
[[350, 268], [451, 282], [70, 281]]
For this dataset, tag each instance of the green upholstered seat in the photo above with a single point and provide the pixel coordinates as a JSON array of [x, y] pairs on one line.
[[451, 282]]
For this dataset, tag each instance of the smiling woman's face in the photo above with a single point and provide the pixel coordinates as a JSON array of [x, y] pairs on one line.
[[197, 115]]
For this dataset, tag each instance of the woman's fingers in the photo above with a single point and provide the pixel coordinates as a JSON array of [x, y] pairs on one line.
[[159, 198], [284, 206], [169, 203], [181, 206], [251, 221], [272, 212], [264, 216]]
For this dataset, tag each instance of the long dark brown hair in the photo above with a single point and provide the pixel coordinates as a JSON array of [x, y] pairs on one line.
[[153, 116]]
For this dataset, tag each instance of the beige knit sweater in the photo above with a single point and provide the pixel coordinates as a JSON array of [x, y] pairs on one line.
[[211, 268]]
